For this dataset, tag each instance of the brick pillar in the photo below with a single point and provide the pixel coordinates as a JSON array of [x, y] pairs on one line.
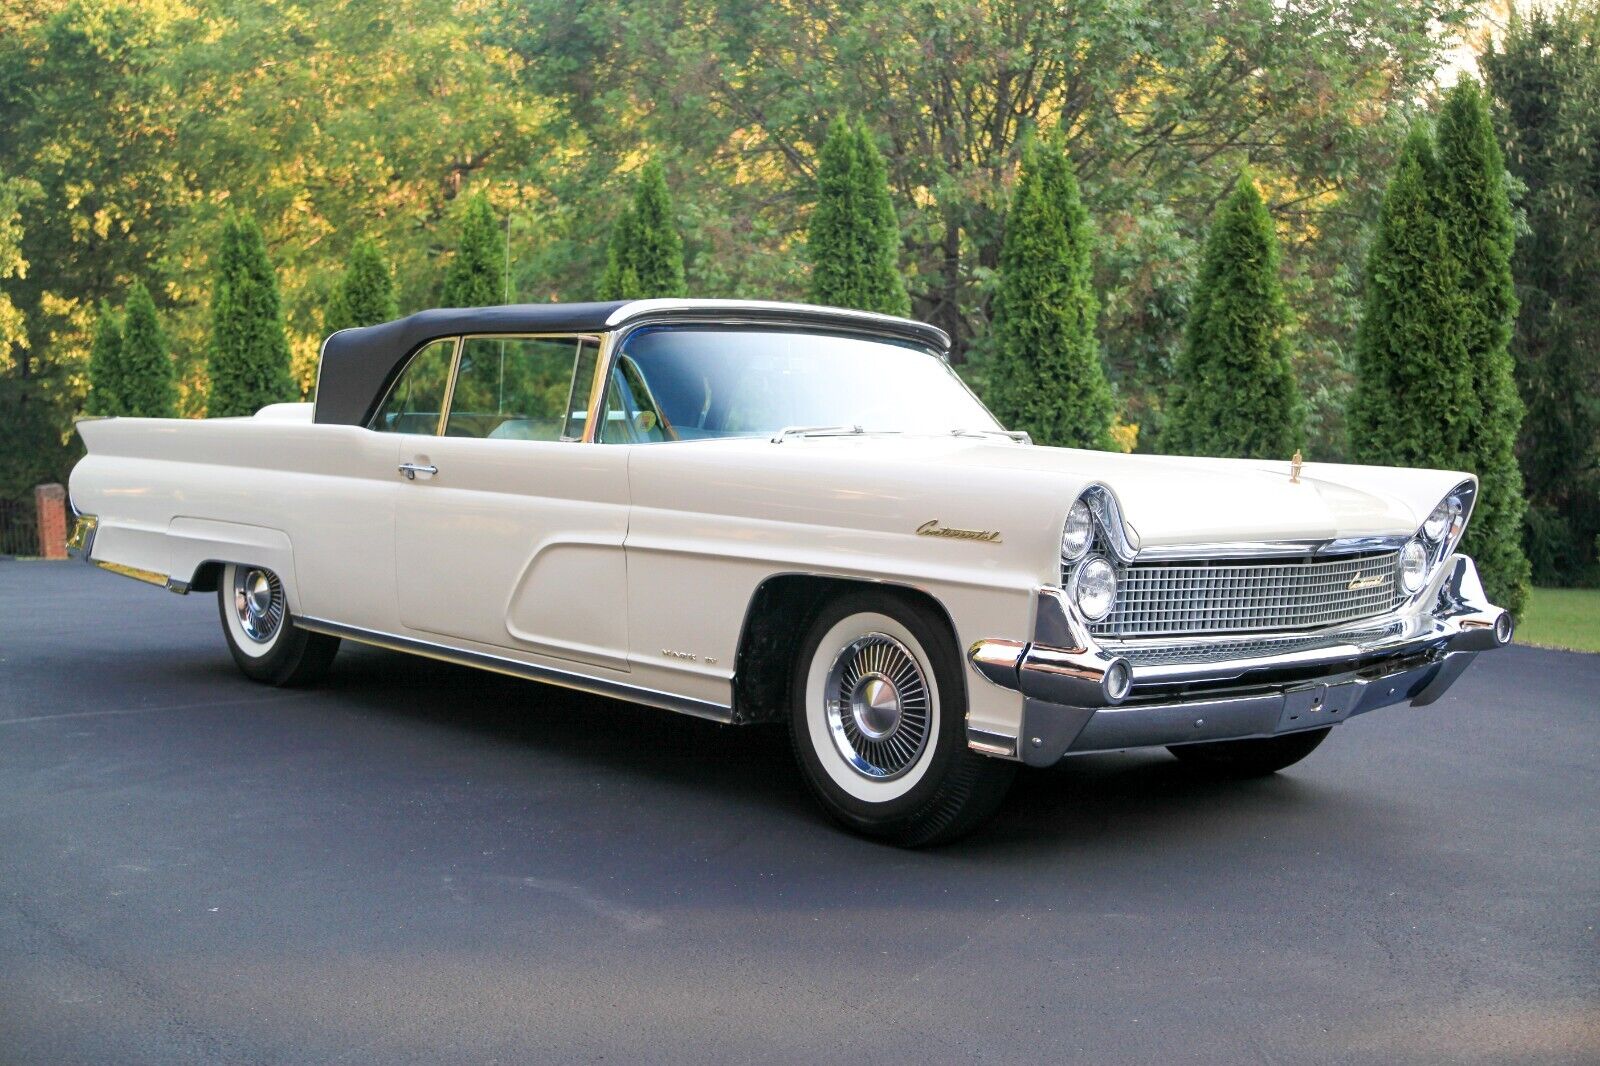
[[51, 503]]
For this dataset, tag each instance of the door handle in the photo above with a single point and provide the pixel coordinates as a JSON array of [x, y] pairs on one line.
[[411, 470]]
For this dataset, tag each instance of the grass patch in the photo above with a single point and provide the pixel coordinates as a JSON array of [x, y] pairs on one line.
[[1562, 618]]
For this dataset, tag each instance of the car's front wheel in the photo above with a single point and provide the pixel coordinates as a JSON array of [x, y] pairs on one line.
[[878, 721], [265, 642]]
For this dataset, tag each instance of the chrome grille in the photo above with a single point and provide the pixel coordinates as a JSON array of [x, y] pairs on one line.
[[1249, 596], [1210, 651]]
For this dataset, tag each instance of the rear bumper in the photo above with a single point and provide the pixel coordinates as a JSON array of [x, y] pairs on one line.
[[1082, 696]]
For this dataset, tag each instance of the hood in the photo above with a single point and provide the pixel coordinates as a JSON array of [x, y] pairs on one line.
[[1166, 500]]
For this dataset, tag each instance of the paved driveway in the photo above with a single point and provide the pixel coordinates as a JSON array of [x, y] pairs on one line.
[[420, 863]]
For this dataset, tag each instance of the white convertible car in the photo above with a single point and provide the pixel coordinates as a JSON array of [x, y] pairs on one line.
[[758, 512]]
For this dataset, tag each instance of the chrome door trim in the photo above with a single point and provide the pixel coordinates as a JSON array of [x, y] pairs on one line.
[[501, 664]]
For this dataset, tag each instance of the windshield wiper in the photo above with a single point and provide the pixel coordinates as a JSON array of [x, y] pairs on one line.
[[1011, 434], [816, 431]]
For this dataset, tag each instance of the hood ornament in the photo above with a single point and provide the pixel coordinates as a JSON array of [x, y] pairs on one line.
[[1294, 468]]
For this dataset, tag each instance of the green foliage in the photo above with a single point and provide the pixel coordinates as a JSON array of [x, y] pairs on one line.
[[854, 237], [1414, 402], [1235, 393], [476, 276], [365, 294], [145, 360], [1476, 214], [644, 258], [249, 357], [1545, 78], [105, 370], [130, 366], [1046, 376]]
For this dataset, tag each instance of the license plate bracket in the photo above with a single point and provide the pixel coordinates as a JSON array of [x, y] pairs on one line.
[[1315, 706]]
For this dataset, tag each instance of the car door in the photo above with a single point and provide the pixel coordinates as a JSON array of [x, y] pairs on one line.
[[508, 529]]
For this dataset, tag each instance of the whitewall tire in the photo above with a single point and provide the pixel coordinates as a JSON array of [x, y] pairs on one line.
[[878, 721], [262, 637]]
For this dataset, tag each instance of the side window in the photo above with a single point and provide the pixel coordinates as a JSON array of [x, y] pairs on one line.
[[416, 399], [521, 388], [632, 415]]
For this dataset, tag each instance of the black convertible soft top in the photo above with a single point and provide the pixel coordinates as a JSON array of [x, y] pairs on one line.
[[359, 365]]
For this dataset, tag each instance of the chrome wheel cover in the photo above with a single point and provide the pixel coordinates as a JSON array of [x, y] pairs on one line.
[[877, 707], [258, 603]]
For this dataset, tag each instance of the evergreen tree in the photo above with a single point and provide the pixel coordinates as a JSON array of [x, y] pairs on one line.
[[644, 259], [1046, 376], [248, 358], [365, 294], [1413, 404], [477, 275], [1476, 213], [1545, 78], [621, 281], [105, 370], [147, 388], [854, 238], [1235, 392]]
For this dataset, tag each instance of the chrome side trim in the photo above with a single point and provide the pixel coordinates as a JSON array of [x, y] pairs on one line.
[[149, 577], [985, 742], [500, 664]]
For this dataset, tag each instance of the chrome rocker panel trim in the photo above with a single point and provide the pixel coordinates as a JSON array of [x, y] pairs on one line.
[[501, 664], [1068, 707]]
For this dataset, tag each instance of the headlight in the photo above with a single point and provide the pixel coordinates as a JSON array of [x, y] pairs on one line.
[[1078, 533], [1413, 565], [1442, 521], [1096, 588]]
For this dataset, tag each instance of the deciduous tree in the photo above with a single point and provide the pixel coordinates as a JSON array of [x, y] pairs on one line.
[[1545, 77]]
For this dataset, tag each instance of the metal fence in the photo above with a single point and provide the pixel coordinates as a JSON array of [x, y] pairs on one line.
[[19, 527]]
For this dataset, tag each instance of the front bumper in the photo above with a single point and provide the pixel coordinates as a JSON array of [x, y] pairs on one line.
[[1083, 696]]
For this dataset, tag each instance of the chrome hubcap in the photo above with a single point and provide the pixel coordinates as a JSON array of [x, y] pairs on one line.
[[258, 603], [877, 707]]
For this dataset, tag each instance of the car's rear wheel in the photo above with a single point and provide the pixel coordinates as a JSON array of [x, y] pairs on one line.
[[264, 641], [1251, 758], [878, 722]]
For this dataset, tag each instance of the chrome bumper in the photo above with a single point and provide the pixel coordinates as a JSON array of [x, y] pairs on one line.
[[1080, 695]]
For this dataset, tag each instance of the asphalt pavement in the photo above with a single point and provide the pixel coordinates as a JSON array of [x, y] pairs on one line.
[[414, 862]]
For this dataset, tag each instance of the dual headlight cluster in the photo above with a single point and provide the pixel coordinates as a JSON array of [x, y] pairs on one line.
[[1091, 579], [1440, 533]]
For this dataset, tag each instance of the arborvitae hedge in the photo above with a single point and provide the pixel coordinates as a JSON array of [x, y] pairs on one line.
[[644, 259], [105, 371], [1476, 212], [1413, 404], [1235, 392], [1046, 375], [248, 359], [148, 389], [476, 276], [854, 237], [365, 295]]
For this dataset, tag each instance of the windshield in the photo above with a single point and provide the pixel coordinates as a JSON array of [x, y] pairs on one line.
[[693, 382]]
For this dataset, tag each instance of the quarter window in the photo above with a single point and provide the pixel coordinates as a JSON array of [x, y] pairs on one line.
[[522, 388], [416, 401]]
